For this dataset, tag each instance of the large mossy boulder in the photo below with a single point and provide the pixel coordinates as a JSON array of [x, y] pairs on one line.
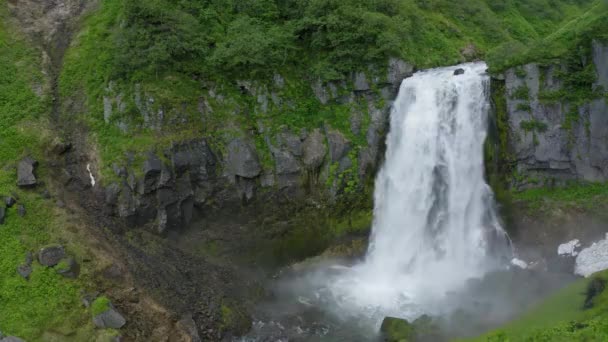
[[422, 329], [105, 316], [397, 330]]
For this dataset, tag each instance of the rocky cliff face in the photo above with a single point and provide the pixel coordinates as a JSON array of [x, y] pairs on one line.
[[558, 120], [278, 165]]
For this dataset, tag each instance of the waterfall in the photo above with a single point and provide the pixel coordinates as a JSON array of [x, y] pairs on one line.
[[435, 225]]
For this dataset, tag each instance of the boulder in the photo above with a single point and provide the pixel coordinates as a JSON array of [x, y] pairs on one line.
[[51, 256], [109, 319], [11, 339], [314, 150], [396, 330], [400, 330], [458, 71], [24, 271], [10, 201], [68, 268], [105, 315], [25, 173], [21, 210], [242, 159], [595, 288]]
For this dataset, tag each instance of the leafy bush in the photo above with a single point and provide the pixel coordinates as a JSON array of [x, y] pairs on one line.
[[252, 44]]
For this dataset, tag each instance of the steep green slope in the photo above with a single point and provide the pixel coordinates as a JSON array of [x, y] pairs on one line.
[[566, 39], [48, 301], [564, 316], [174, 51]]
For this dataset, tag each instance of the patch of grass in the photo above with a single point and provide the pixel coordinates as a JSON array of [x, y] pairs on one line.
[[524, 107], [533, 126], [580, 24], [521, 93], [100, 305], [561, 317], [47, 301], [588, 196]]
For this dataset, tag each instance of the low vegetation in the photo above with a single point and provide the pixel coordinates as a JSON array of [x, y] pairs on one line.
[[47, 301], [581, 196], [173, 50], [576, 313]]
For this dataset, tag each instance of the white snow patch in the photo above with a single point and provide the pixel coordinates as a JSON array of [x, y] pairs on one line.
[[93, 182], [519, 263], [593, 259], [569, 248]]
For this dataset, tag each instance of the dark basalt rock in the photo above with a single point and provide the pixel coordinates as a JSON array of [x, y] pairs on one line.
[[152, 171], [109, 319], [24, 271], [458, 71], [25, 173], [21, 210], [242, 159], [51, 256], [10, 201], [594, 289]]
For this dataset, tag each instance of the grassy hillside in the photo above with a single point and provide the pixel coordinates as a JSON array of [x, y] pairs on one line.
[[565, 39], [174, 50], [564, 316], [47, 302]]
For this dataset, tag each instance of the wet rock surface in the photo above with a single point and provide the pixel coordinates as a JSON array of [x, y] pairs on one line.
[[546, 144]]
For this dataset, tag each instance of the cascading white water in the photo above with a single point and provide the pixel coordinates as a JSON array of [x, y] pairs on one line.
[[434, 221], [433, 209]]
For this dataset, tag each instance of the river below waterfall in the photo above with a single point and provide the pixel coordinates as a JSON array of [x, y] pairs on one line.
[[437, 246]]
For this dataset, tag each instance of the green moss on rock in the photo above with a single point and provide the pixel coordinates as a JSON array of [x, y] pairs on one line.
[[234, 319], [100, 305], [397, 330]]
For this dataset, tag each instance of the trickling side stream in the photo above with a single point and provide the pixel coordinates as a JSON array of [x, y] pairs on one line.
[[435, 227]]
